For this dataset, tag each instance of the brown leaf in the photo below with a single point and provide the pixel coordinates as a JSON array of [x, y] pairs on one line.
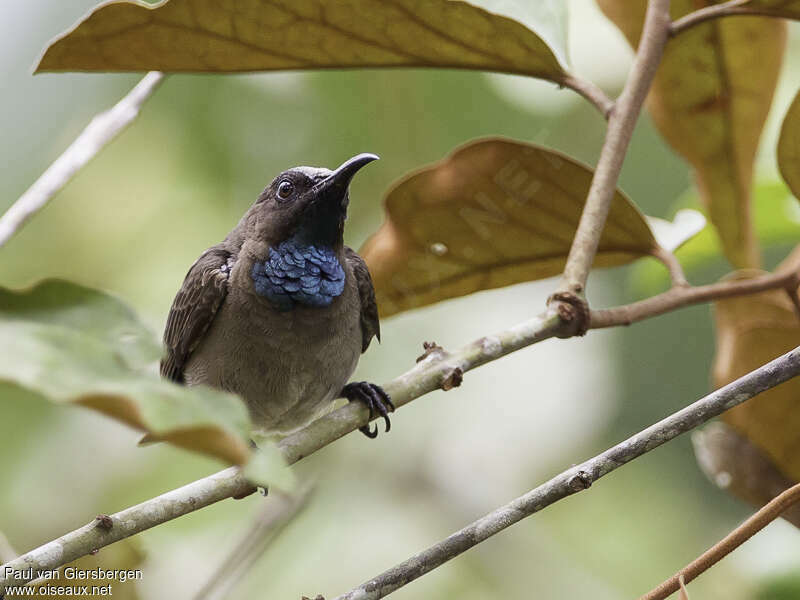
[[751, 331], [493, 213], [710, 98], [789, 147], [735, 464], [268, 35], [779, 8]]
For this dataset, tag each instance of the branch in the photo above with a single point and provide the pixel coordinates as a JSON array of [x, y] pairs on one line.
[[726, 9], [98, 133], [673, 265], [680, 296], [728, 544], [580, 477], [620, 129], [591, 92], [434, 370]]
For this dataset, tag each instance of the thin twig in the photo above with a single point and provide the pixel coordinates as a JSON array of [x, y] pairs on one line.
[[620, 129], [580, 477], [591, 92], [673, 265], [277, 512], [766, 515], [727, 9], [678, 297], [98, 133]]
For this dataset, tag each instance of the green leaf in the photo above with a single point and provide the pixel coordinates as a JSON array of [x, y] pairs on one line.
[[268, 468], [269, 35], [76, 345], [493, 213], [92, 312], [709, 100]]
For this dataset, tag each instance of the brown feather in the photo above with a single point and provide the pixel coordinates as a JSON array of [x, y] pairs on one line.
[[370, 325], [193, 310]]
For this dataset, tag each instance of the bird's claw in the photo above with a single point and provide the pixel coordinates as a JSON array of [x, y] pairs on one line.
[[377, 400]]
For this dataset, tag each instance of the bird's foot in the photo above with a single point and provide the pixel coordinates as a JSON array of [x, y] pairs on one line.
[[376, 399]]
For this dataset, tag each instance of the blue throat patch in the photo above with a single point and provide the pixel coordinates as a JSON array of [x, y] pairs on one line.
[[299, 274]]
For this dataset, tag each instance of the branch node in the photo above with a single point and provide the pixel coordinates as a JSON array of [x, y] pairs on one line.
[[431, 349], [582, 480], [590, 91], [104, 522], [572, 310], [453, 379]]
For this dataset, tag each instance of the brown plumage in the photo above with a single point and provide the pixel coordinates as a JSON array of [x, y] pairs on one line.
[[280, 310]]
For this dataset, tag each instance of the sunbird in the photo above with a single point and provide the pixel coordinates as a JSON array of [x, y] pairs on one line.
[[280, 311]]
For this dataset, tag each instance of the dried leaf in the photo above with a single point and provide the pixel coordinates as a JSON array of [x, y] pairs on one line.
[[268, 35], [72, 344], [493, 213], [789, 146], [710, 98], [751, 331], [789, 9], [736, 465]]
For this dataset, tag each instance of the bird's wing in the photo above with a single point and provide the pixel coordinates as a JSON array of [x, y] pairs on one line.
[[370, 325], [193, 309]]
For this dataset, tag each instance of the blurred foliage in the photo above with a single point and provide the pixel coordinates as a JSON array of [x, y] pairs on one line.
[[786, 587], [737, 465], [177, 181]]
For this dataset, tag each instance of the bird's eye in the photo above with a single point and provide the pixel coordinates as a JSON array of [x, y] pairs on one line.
[[285, 189]]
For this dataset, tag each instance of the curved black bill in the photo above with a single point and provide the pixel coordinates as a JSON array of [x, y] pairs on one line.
[[342, 176]]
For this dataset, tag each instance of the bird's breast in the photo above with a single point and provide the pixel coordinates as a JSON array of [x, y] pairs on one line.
[[298, 274], [287, 365]]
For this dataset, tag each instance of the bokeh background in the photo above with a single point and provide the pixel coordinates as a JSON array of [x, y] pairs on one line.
[[204, 146]]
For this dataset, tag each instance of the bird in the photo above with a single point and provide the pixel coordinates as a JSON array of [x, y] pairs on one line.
[[281, 310]]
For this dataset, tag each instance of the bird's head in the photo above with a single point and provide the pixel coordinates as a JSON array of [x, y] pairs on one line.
[[306, 203]]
